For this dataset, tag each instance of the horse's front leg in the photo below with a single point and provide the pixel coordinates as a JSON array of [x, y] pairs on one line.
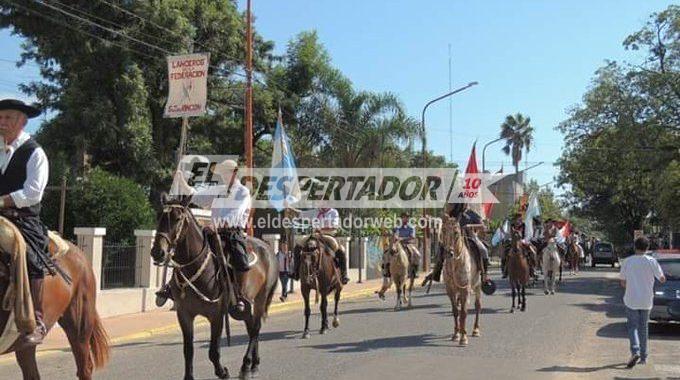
[[255, 352], [512, 308], [216, 325], [463, 320], [454, 310], [186, 323], [410, 292], [248, 357], [336, 318], [524, 298], [399, 296], [478, 310], [27, 363], [308, 312], [324, 313]]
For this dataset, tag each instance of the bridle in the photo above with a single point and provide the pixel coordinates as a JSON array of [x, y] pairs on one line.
[[181, 280]]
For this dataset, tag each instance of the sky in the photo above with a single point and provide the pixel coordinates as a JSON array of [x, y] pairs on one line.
[[529, 56]]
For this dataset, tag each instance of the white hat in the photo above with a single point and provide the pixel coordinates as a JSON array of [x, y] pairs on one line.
[[225, 168]]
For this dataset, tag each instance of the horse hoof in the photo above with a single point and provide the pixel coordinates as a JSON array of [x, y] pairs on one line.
[[222, 373], [336, 323], [512, 310], [552, 293], [322, 332], [305, 335], [463, 341], [188, 377], [475, 333], [546, 292], [456, 337], [254, 373], [523, 309]]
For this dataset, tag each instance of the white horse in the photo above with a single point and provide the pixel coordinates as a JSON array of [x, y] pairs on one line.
[[551, 266]]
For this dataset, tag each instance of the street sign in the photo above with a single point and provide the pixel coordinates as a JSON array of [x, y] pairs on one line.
[[187, 85]]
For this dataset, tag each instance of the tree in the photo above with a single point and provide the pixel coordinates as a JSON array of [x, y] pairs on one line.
[[518, 134], [622, 140]]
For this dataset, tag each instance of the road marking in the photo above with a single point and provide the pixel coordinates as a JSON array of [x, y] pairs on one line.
[[278, 308]]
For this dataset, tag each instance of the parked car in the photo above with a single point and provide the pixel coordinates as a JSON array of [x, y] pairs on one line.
[[603, 253], [667, 296]]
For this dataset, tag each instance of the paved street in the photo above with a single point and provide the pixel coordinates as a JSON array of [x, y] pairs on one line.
[[578, 333]]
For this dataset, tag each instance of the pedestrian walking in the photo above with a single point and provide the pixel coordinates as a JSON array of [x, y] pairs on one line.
[[284, 258], [637, 277]]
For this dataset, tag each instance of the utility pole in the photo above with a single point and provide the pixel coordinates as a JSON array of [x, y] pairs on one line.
[[248, 138]]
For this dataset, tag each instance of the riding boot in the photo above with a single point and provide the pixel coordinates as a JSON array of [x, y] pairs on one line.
[[438, 267], [242, 302], [485, 266], [37, 336], [296, 263], [163, 295], [341, 259]]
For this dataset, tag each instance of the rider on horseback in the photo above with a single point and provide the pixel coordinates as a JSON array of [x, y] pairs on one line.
[[406, 234], [229, 203], [326, 222], [471, 223], [24, 173]]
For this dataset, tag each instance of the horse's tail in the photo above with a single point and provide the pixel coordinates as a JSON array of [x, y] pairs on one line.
[[270, 297], [99, 343]]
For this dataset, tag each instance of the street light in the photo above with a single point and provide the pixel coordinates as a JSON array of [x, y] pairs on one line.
[[426, 256], [484, 152]]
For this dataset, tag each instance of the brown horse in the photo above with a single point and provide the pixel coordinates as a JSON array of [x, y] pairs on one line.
[[574, 253], [199, 285], [518, 272], [318, 272], [462, 276], [72, 305]]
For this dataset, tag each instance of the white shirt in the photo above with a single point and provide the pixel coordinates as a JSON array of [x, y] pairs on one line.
[[329, 218], [37, 172], [228, 208], [639, 271]]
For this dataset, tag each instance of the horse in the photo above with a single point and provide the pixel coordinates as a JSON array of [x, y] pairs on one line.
[[518, 273], [462, 276], [574, 253], [318, 272], [399, 271], [200, 286], [72, 304], [551, 265]]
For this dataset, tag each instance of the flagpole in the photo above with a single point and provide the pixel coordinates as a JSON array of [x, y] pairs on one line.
[[249, 106]]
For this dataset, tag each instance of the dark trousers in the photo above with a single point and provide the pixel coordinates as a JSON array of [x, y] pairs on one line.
[[234, 245], [283, 276], [35, 235]]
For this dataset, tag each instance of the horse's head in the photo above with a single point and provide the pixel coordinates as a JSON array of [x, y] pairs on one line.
[[170, 227], [310, 257]]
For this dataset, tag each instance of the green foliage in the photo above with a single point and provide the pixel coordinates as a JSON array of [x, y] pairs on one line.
[[518, 134], [622, 139], [103, 200]]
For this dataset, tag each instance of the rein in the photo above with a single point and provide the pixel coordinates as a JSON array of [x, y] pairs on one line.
[[205, 254]]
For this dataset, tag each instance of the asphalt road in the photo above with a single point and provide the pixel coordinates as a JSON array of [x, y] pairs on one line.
[[578, 333]]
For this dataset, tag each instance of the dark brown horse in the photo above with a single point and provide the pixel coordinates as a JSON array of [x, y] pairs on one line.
[[574, 251], [318, 272], [518, 272], [72, 305], [199, 285]]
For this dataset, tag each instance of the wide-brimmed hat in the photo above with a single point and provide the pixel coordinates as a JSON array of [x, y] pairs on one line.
[[13, 104], [226, 168]]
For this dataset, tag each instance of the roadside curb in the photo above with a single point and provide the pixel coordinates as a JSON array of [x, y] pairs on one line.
[[278, 308]]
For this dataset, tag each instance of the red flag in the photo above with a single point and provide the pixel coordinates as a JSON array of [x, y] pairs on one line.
[[565, 231], [472, 161], [472, 169], [487, 208]]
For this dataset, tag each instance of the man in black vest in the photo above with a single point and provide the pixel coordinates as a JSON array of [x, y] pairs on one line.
[[24, 172]]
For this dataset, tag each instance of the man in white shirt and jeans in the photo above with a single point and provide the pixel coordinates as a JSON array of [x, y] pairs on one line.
[[637, 276]]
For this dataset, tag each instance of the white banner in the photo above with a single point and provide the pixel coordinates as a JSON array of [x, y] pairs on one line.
[[187, 85]]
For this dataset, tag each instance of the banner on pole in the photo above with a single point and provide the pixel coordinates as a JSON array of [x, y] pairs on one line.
[[187, 85]]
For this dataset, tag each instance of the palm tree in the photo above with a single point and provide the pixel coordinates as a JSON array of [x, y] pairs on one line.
[[518, 134]]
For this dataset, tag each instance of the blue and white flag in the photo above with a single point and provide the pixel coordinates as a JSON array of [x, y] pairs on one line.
[[533, 210], [285, 188]]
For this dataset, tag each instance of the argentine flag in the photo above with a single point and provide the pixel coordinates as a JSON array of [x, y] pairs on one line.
[[285, 189], [533, 210]]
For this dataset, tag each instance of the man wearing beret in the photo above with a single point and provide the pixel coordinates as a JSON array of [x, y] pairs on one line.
[[24, 172]]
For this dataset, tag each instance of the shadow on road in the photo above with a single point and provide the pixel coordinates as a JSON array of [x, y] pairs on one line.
[[569, 369], [471, 312], [409, 341], [656, 331]]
